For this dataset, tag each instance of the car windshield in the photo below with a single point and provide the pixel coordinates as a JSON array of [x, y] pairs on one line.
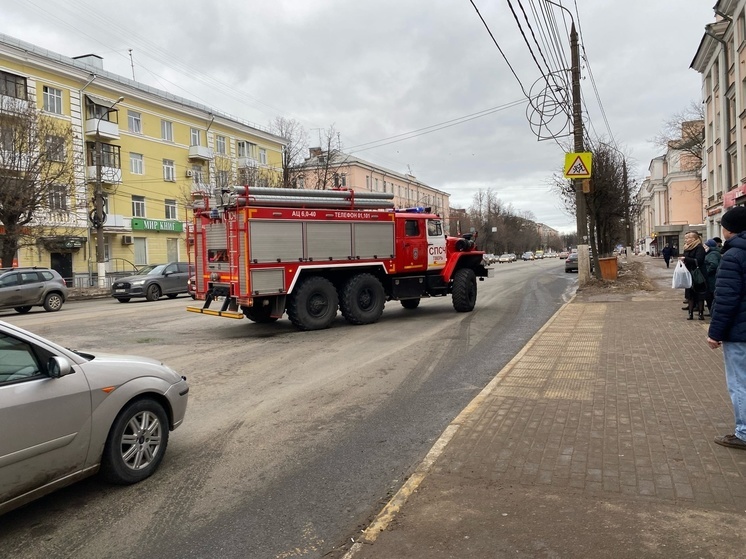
[[151, 270]]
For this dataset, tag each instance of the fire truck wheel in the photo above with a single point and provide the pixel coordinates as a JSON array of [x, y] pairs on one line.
[[314, 304], [410, 303], [464, 290], [259, 314], [153, 293], [362, 299]]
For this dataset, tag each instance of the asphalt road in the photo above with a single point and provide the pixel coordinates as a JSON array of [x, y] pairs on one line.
[[292, 441]]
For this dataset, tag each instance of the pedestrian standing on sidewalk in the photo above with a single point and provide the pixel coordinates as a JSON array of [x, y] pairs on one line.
[[728, 325], [712, 261], [694, 257], [666, 252]]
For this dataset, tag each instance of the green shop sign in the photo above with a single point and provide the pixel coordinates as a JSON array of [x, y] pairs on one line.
[[140, 224]]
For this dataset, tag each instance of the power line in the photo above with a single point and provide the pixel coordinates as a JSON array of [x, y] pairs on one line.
[[487, 27], [433, 128]]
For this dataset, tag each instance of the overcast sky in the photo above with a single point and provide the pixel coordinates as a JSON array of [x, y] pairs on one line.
[[379, 69]]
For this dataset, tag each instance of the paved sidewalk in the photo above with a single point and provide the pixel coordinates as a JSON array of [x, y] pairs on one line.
[[595, 441]]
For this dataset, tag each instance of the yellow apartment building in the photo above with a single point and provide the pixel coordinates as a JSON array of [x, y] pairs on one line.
[[143, 152]]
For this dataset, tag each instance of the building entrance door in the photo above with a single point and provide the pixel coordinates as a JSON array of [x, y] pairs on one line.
[[62, 263]]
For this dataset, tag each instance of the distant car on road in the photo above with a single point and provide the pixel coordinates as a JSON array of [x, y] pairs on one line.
[[571, 263], [513, 257], [564, 254], [527, 256], [67, 415], [504, 258], [23, 288], [154, 281]]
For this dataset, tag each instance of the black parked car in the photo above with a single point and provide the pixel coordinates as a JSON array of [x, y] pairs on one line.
[[154, 281]]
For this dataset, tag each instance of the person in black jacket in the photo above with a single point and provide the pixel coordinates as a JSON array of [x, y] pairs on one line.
[[728, 325], [712, 261], [694, 257]]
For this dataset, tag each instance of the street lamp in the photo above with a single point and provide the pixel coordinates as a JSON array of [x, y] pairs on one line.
[[98, 220]]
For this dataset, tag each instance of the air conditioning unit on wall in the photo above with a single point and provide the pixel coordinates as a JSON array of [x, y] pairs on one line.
[[127, 240], [189, 173]]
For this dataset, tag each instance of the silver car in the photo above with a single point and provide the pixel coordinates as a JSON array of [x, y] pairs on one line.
[[68, 414]]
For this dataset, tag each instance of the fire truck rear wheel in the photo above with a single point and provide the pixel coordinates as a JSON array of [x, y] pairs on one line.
[[362, 299], [314, 304], [410, 303], [464, 290], [259, 314]]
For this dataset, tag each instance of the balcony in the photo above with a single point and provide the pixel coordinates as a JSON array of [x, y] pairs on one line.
[[11, 105], [107, 130], [247, 163], [109, 175], [201, 153]]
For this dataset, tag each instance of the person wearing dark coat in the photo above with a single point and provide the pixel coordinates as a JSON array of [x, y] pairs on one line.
[[694, 257], [728, 325], [666, 252], [712, 261]]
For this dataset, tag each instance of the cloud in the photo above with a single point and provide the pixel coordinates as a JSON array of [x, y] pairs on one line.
[[376, 69]]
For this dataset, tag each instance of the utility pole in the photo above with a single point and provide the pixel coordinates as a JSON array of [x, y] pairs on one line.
[[577, 124], [98, 220], [627, 223]]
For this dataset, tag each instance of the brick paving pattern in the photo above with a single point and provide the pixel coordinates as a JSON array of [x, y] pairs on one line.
[[615, 401]]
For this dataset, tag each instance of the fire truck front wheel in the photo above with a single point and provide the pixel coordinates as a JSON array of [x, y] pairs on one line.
[[314, 304], [362, 299], [464, 290]]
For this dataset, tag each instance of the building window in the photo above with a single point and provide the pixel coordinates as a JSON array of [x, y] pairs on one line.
[[220, 144], [55, 146], [198, 174], [137, 165], [58, 198], [109, 155], [262, 156], [134, 122], [52, 100], [169, 170], [194, 136], [222, 179], [138, 206], [7, 139], [167, 130], [367, 182], [247, 149], [13, 86], [170, 209]]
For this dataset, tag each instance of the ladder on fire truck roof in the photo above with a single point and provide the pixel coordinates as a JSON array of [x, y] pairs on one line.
[[338, 198]]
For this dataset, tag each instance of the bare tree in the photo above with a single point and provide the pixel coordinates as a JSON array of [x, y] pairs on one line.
[[37, 175], [685, 131], [324, 169], [294, 151]]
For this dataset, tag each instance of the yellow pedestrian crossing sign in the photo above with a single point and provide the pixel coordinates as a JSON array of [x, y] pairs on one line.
[[578, 165]]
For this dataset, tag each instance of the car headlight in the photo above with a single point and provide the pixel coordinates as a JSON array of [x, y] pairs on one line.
[[137, 282]]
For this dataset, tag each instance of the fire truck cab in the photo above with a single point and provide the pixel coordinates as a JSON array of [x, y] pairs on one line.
[[264, 252]]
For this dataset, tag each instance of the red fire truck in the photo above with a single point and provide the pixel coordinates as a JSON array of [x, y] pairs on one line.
[[263, 252]]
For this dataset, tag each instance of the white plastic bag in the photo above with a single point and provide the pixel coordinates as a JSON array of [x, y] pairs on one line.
[[682, 279]]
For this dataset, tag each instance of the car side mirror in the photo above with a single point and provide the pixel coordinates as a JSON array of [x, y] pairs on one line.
[[58, 367]]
